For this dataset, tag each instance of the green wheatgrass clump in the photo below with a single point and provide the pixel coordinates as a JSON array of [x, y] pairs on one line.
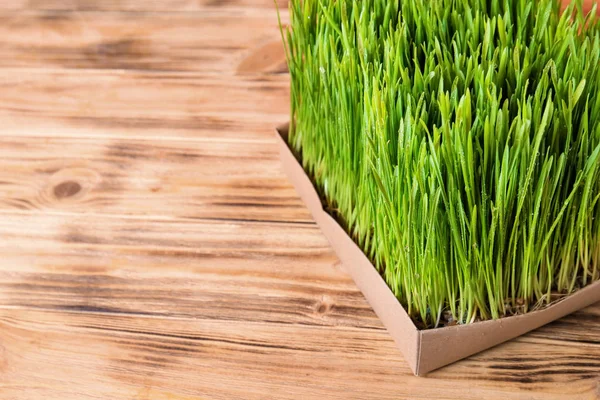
[[458, 141]]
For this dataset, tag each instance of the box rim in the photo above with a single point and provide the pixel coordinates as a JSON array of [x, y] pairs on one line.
[[529, 321]]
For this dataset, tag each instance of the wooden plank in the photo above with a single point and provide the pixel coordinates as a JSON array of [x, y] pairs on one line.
[[170, 358], [140, 41], [129, 104], [175, 268], [236, 179], [139, 6], [235, 237], [158, 358]]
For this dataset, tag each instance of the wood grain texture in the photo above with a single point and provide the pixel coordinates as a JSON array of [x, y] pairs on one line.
[[141, 6], [304, 328], [150, 247], [142, 41], [126, 104], [173, 358], [174, 179]]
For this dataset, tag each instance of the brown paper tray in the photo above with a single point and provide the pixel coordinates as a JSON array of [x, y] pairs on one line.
[[424, 350]]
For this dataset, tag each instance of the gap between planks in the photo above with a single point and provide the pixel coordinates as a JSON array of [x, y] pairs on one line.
[[135, 315], [158, 218]]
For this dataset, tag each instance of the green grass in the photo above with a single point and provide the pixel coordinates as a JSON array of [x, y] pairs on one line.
[[459, 143]]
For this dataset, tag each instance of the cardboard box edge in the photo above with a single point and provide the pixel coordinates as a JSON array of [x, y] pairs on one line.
[[474, 338], [421, 349]]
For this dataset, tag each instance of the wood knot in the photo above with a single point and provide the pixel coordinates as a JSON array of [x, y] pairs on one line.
[[324, 305], [66, 189], [69, 186]]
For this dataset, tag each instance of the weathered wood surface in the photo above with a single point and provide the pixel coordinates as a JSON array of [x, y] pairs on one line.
[[183, 41], [151, 248], [141, 6]]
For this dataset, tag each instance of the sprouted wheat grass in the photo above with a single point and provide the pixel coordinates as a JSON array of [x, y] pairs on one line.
[[458, 141]]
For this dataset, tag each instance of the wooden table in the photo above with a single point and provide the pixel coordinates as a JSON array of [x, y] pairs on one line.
[[150, 246]]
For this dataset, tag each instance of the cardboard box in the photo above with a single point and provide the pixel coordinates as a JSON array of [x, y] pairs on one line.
[[424, 350]]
